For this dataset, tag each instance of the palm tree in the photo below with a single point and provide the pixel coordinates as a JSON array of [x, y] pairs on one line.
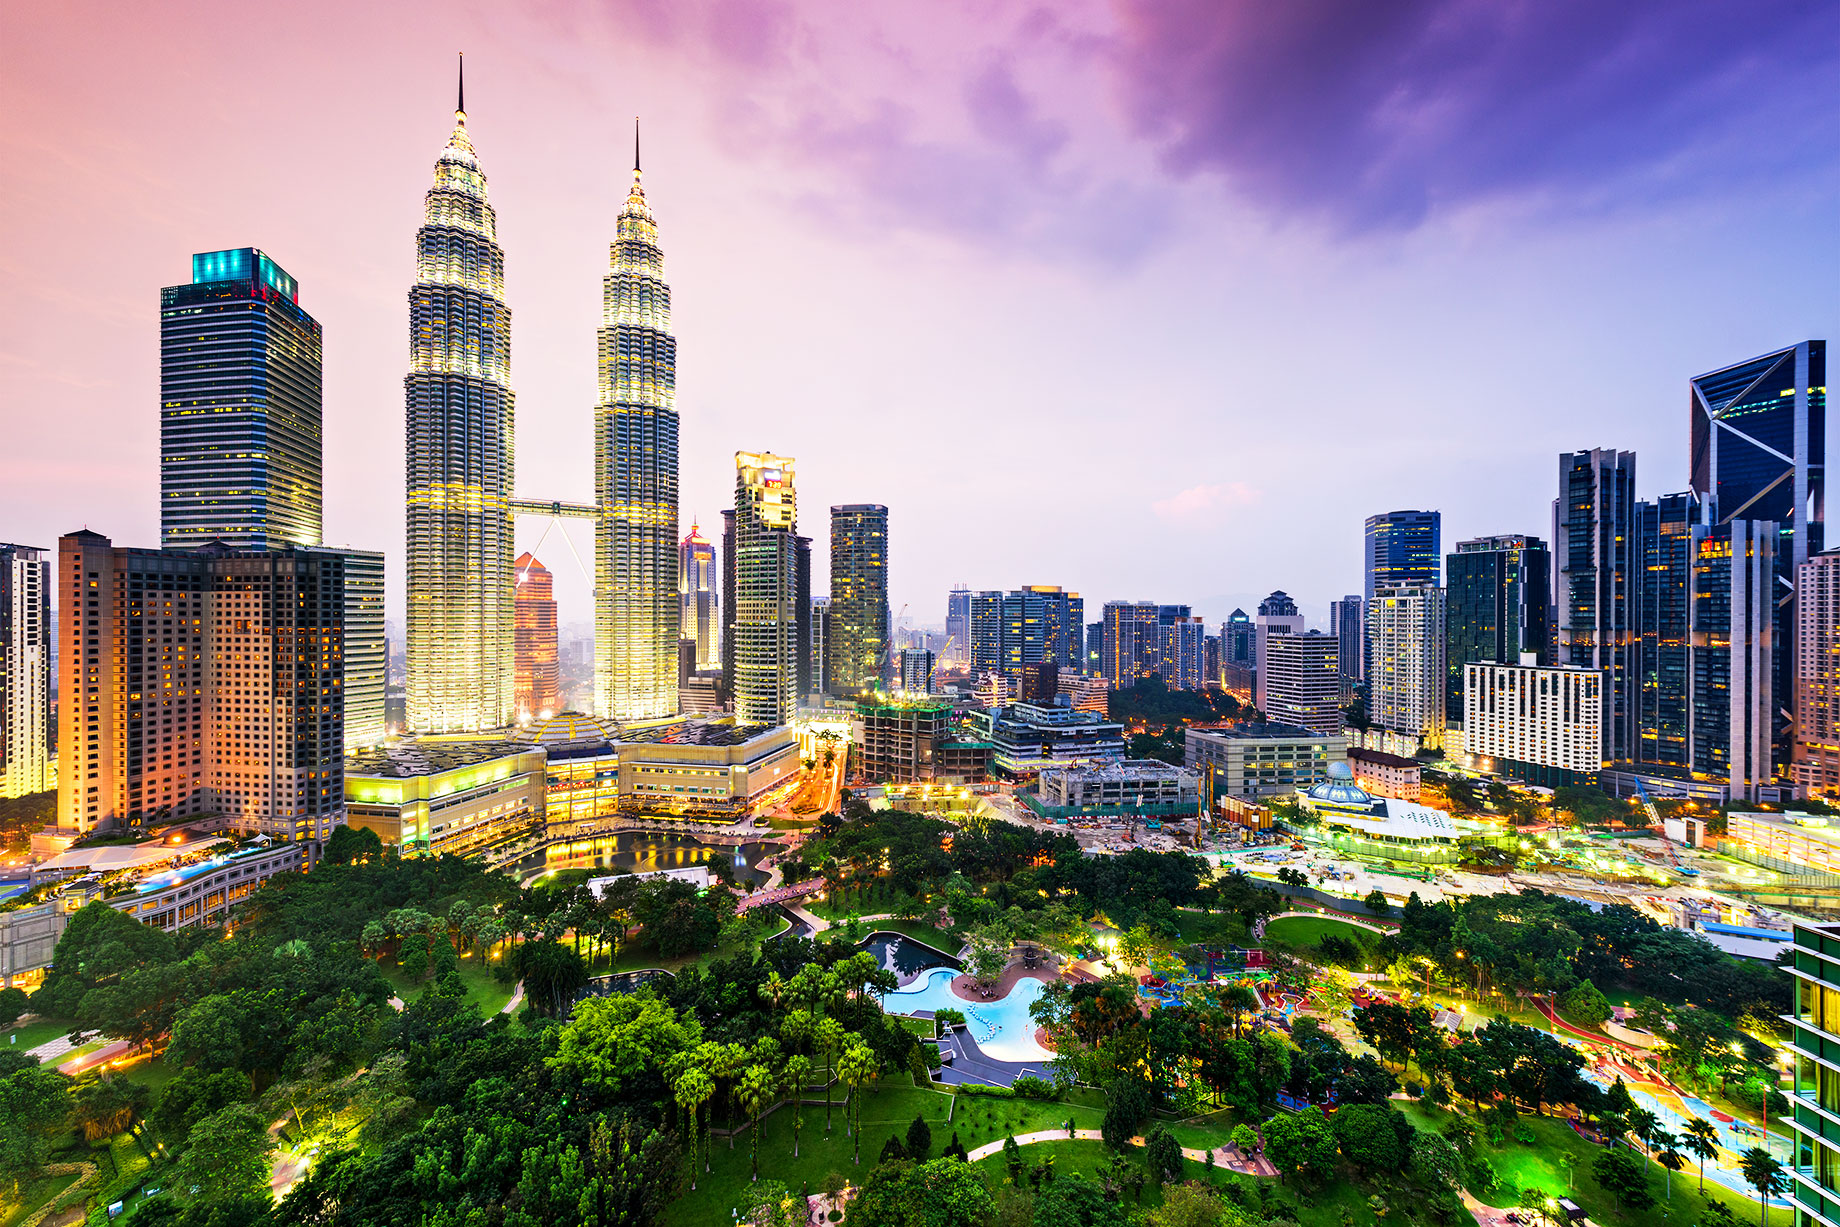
[[798, 1070], [856, 1066], [774, 989], [830, 1041], [1566, 1163], [1763, 1173], [1701, 1139], [755, 1091], [1643, 1124], [1668, 1147], [691, 1090], [725, 1064]]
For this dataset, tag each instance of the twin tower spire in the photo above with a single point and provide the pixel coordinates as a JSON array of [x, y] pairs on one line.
[[460, 416]]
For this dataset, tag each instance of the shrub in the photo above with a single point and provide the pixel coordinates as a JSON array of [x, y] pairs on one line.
[[1029, 1087], [978, 1088], [1524, 1135]]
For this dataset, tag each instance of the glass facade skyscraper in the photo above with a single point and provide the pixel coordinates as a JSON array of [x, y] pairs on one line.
[[1595, 583], [636, 617], [698, 600], [1402, 548], [239, 406], [858, 646], [1668, 533], [461, 457], [763, 601], [1495, 603]]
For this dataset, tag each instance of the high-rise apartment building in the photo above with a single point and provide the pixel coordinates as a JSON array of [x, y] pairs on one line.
[[1534, 723], [201, 681], [461, 457], [1405, 662], [1137, 642], [26, 652], [539, 669], [764, 593], [636, 615], [958, 626], [1402, 548], [817, 668], [1817, 675], [239, 406], [1347, 617], [1495, 605], [1302, 681], [802, 639], [1182, 653], [1595, 585], [699, 602], [1278, 615], [917, 671], [859, 645]]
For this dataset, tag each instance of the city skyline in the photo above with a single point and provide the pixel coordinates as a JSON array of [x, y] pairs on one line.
[[1465, 276]]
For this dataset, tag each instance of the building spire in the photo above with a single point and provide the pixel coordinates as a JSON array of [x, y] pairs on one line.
[[635, 144], [460, 105]]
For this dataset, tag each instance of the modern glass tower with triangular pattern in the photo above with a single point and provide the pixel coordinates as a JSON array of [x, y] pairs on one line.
[[636, 616], [460, 412]]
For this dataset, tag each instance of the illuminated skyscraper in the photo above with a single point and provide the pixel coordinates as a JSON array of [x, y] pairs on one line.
[[859, 649], [1596, 587], [239, 406], [461, 457], [539, 670], [25, 669], [1494, 608], [1402, 548], [763, 600], [698, 602], [636, 614]]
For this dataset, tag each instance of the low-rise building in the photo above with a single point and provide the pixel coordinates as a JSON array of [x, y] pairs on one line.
[[1026, 737], [1789, 843], [1250, 761], [1131, 786], [445, 798], [1389, 775], [898, 740], [1352, 819], [1085, 693]]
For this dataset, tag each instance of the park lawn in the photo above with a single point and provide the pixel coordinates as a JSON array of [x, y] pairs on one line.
[[888, 1109], [919, 930], [153, 1073], [1088, 1159], [1518, 1167], [1308, 930], [482, 986], [38, 1031], [37, 1193], [869, 901], [1206, 1132]]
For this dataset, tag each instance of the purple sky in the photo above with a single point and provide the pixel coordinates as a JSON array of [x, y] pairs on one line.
[[1154, 300]]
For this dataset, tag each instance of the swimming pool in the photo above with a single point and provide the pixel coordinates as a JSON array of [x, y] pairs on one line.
[[1003, 1028]]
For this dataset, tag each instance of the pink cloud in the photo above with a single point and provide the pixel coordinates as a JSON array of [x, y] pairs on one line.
[[1212, 496]]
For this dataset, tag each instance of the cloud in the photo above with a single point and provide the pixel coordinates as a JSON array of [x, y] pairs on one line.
[[1377, 116], [1203, 498]]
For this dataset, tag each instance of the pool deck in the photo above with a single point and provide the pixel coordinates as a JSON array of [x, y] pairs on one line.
[[969, 1064]]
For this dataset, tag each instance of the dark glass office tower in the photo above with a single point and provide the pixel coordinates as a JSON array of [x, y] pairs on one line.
[[1402, 548], [239, 406], [958, 625], [1347, 622], [1730, 656], [1494, 607], [1668, 533], [1758, 450], [859, 647], [1236, 639], [802, 635], [1595, 582]]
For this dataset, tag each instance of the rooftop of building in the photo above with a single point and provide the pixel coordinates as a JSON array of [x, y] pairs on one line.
[[409, 759], [904, 701], [1265, 732], [1046, 714], [1379, 758], [1124, 769]]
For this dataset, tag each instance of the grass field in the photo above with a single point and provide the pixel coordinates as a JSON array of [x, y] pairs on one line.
[[1520, 1167], [886, 1111], [1308, 930], [37, 1193], [482, 986], [36, 1032]]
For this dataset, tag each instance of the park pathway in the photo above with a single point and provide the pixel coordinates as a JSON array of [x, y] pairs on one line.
[[1223, 1156]]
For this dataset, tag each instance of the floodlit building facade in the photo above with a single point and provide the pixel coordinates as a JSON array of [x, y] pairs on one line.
[[1250, 761], [367, 650], [1402, 548], [26, 651], [1536, 723], [764, 603], [1302, 681], [433, 798], [1278, 615], [240, 447], [637, 611], [539, 669], [897, 741], [461, 457]]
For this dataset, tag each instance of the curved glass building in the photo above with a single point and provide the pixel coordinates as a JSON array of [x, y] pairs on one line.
[[460, 411]]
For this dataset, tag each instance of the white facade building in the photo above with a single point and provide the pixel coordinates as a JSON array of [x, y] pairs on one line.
[[1535, 720], [1405, 661]]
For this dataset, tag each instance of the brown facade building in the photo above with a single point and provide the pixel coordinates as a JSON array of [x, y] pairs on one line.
[[539, 674]]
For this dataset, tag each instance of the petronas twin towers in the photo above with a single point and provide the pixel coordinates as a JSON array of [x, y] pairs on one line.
[[461, 463]]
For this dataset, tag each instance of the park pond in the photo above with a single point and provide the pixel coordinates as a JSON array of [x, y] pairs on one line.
[[1002, 1027], [646, 851]]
